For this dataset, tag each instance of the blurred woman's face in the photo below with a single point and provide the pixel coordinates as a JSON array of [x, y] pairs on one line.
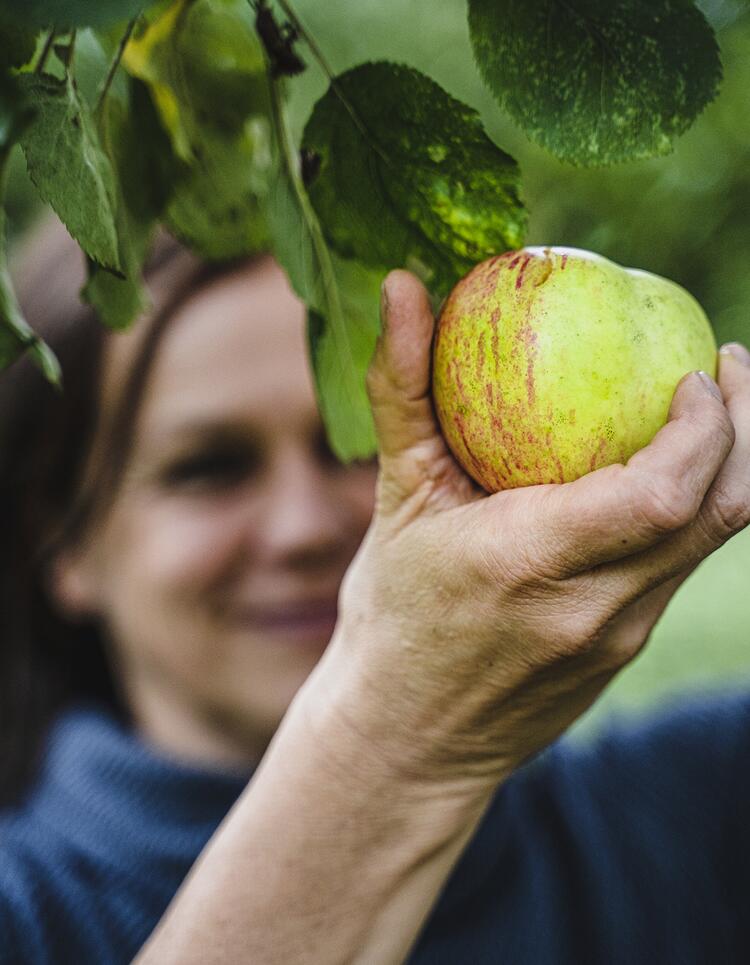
[[216, 571]]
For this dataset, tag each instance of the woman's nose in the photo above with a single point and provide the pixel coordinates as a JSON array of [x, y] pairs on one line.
[[304, 519]]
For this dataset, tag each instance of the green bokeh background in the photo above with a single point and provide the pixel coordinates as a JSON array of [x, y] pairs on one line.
[[685, 216]]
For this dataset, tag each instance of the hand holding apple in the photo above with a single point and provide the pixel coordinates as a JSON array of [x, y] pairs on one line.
[[552, 362], [474, 628]]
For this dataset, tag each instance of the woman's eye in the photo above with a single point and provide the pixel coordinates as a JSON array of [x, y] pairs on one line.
[[218, 469]]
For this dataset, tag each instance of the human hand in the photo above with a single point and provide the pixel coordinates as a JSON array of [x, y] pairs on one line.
[[475, 628]]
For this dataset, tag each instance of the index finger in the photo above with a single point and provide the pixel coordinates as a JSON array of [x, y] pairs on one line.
[[624, 509]]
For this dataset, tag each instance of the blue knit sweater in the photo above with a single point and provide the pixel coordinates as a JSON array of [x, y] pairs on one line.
[[635, 850]]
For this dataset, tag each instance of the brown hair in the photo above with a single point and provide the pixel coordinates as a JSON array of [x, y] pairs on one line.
[[45, 499]]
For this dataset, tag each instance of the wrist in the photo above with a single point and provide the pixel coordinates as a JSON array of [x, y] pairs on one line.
[[368, 737], [330, 852]]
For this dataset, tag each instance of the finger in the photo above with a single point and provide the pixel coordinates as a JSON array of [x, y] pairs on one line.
[[411, 446], [621, 510], [724, 511], [628, 631]]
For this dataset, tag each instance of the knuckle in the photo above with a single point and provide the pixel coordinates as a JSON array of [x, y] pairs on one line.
[[495, 564], [726, 427], [706, 412], [621, 650], [593, 624], [725, 512], [546, 554], [564, 556], [498, 555], [663, 505], [567, 642], [717, 427], [578, 623], [527, 572], [574, 639], [625, 637], [583, 635]]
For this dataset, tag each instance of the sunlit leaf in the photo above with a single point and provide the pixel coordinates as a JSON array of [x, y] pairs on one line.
[[204, 66], [405, 174]]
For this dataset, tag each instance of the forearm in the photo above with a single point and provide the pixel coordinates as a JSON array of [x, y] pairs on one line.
[[329, 856]]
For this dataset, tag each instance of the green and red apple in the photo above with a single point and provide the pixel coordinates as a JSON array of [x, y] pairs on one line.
[[549, 363]]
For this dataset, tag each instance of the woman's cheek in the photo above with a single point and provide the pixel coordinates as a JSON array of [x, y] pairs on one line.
[[183, 543], [168, 569]]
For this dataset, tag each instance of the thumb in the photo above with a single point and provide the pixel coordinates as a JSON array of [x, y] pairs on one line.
[[413, 455], [398, 382]]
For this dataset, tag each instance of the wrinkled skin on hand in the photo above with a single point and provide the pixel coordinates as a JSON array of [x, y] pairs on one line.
[[475, 628]]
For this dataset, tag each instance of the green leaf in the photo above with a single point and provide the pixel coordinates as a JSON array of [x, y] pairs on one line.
[[70, 13], [69, 167], [204, 67], [341, 355], [17, 43], [141, 155], [219, 69], [343, 301], [597, 83], [216, 209], [119, 301], [406, 175]]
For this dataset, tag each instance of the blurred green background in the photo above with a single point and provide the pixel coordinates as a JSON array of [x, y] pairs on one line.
[[686, 216]]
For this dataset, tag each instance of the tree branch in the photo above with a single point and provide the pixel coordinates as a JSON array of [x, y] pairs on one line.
[[104, 90]]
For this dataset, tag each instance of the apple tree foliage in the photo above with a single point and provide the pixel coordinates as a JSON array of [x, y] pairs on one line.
[[135, 113]]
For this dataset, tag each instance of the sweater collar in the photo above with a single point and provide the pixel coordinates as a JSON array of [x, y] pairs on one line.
[[109, 793]]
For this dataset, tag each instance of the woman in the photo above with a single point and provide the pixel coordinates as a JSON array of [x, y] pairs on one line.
[[179, 532]]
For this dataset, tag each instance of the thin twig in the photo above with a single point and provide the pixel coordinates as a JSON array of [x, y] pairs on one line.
[[326, 67], [72, 50], [104, 90], [309, 40], [45, 51]]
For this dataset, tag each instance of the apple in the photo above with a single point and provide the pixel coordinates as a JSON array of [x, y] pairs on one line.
[[549, 363]]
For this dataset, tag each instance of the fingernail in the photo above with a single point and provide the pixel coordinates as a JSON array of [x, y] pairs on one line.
[[737, 351], [712, 387]]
